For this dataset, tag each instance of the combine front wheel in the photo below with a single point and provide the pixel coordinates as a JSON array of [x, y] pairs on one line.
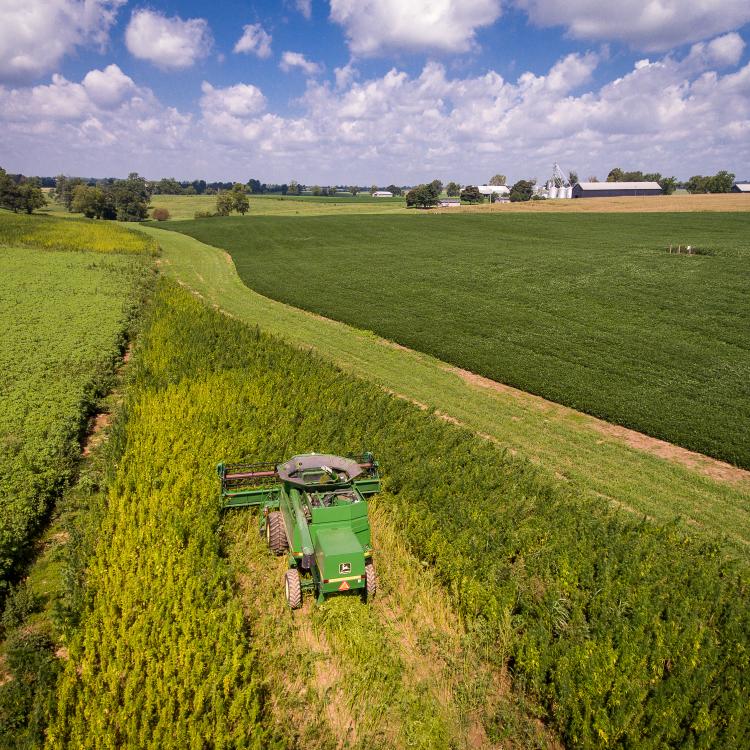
[[293, 588], [276, 533], [371, 581]]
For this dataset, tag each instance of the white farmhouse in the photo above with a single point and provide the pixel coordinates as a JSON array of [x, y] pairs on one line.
[[382, 194]]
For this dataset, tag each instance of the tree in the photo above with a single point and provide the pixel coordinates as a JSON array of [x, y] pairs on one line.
[[65, 186], [254, 186], [224, 203], [616, 175], [721, 182], [395, 189], [498, 179], [293, 187], [94, 202], [422, 196], [353, 189], [31, 196], [471, 194], [437, 187], [453, 189], [316, 190], [168, 186], [668, 185], [131, 198], [240, 203], [573, 177], [522, 191], [10, 196], [160, 214], [373, 189]]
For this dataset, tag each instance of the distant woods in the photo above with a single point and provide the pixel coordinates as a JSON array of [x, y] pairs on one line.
[[19, 193]]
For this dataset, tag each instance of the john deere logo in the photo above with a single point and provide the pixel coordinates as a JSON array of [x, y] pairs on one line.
[[345, 568]]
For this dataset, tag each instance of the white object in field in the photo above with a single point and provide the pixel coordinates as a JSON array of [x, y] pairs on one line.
[[382, 194], [493, 189], [552, 192]]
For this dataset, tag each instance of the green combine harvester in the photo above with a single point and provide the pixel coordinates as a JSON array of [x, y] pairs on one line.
[[314, 509]]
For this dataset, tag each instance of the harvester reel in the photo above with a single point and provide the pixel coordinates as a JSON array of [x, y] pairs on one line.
[[276, 533], [293, 588]]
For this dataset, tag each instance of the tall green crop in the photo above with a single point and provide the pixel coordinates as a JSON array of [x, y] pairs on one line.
[[622, 631], [65, 316]]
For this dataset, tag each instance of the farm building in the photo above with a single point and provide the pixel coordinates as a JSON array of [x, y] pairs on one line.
[[449, 203], [615, 189], [500, 190], [741, 187], [382, 194]]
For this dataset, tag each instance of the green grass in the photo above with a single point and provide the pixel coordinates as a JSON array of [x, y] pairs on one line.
[[64, 319], [588, 311], [565, 443], [185, 206]]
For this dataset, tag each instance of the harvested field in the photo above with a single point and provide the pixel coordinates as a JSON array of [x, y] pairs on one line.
[[678, 203]]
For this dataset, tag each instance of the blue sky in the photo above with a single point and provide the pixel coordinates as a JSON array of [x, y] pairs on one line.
[[342, 91]]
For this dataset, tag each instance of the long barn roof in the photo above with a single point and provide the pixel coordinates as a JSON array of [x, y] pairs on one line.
[[620, 185], [743, 187]]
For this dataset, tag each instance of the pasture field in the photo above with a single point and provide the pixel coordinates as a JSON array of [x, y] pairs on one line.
[[185, 206], [65, 315], [560, 591], [653, 480], [589, 311]]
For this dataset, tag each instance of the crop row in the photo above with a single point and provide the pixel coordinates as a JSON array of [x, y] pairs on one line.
[[622, 631], [65, 317]]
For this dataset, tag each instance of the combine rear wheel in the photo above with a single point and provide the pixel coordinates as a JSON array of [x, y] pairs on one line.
[[276, 533], [293, 588], [371, 581]]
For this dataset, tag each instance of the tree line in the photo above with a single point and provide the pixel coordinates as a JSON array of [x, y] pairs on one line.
[[123, 200], [19, 193]]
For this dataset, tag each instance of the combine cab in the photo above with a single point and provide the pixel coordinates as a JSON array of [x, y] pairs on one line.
[[314, 510]]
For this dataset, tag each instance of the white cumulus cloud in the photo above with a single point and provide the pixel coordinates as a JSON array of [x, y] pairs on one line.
[[291, 60], [242, 100], [650, 25], [36, 34], [376, 26], [107, 88], [254, 40], [168, 42]]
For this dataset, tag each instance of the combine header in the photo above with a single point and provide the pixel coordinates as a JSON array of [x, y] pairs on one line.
[[314, 509]]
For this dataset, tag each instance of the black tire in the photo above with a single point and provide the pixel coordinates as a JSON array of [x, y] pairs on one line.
[[371, 581], [293, 588], [276, 533]]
